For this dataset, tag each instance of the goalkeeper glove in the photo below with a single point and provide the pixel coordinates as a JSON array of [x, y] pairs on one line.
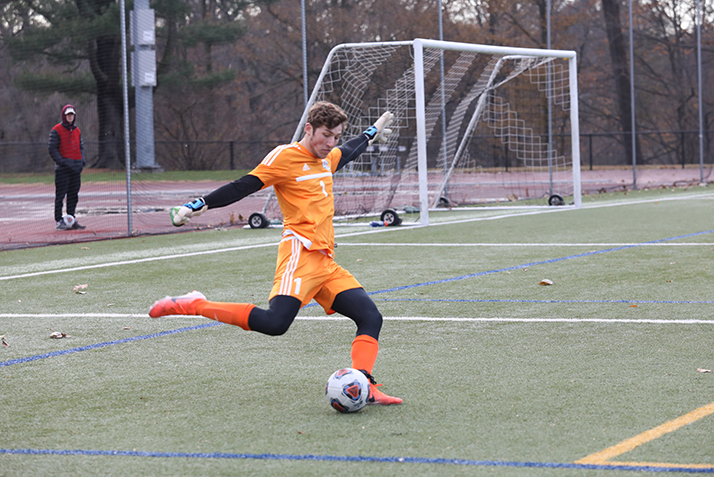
[[380, 130], [182, 214]]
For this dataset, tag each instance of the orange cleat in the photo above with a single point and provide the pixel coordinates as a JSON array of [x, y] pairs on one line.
[[376, 396], [178, 305]]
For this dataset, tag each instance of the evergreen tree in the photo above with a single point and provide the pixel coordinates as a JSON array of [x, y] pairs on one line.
[[74, 48]]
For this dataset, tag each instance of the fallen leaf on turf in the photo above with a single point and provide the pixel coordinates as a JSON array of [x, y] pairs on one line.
[[3, 342], [545, 281], [57, 335], [78, 289], [704, 370], [633, 306]]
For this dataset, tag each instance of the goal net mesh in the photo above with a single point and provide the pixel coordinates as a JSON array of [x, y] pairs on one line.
[[496, 128]]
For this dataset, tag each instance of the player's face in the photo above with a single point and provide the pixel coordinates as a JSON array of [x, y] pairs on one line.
[[321, 141]]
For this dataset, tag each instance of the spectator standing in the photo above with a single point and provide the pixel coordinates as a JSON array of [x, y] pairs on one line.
[[67, 150]]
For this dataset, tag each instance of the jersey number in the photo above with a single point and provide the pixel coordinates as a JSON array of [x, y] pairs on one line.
[[323, 188], [298, 282]]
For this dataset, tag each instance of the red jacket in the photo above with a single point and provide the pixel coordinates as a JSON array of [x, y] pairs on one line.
[[65, 145]]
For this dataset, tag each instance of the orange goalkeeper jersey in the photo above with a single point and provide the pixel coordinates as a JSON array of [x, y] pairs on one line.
[[303, 186]]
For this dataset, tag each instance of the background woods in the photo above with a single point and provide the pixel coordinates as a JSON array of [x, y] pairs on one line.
[[230, 77]]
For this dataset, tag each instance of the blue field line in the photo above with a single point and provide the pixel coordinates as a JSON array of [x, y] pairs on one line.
[[493, 300], [336, 458], [107, 343], [532, 264], [405, 287]]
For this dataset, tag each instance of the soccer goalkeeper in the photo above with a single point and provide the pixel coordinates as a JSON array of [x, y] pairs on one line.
[[301, 175]]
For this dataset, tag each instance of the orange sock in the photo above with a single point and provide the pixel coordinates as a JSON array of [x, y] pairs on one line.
[[364, 352], [231, 313]]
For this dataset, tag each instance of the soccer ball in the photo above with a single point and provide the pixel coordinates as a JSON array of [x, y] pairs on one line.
[[68, 220], [347, 390]]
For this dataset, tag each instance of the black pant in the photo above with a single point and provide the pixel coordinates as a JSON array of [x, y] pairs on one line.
[[67, 183], [354, 304]]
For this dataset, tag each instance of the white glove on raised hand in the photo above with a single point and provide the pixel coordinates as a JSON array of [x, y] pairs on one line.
[[182, 214], [380, 130]]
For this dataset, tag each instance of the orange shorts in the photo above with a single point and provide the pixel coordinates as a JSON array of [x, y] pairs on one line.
[[307, 274]]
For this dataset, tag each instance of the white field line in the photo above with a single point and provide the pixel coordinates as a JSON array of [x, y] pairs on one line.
[[138, 260], [371, 231], [568, 209], [659, 244], [78, 315], [389, 318], [648, 201]]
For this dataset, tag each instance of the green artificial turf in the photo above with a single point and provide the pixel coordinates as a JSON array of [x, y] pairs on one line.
[[494, 368]]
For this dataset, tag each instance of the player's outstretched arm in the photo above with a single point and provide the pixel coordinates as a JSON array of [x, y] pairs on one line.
[[379, 131], [224, 195]]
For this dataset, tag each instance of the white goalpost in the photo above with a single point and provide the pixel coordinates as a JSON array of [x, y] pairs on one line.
[[511, 136]]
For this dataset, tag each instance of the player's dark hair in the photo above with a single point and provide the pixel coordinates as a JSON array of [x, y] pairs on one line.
[[324, 113]]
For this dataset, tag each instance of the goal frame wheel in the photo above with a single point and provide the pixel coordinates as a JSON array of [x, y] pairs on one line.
[[390, 217], [556, 200], [443, 203], [258, 221]]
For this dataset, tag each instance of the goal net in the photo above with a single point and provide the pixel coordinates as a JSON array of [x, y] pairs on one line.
[[475, 126]]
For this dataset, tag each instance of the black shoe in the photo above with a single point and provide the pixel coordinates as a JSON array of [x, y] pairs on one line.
[[76, 226], [61, 225]]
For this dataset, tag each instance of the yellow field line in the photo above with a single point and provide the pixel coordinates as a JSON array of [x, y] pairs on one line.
[[604, 456], [662, 465]]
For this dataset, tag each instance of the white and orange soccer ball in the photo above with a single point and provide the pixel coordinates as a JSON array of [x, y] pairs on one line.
[[68, 221], [347, 390]]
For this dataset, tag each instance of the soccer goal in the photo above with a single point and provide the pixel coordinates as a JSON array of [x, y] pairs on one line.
[[475, 126]]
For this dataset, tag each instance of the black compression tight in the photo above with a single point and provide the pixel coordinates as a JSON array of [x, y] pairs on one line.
[[276, 320], [359, 307], [354, 304]]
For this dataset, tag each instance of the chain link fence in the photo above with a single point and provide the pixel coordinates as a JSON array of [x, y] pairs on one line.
[[666, 158]]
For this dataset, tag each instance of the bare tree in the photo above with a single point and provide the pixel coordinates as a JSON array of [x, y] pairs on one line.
[[621, 76], [667, 60]]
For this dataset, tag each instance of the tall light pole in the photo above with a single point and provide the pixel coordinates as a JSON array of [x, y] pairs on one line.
[[304, 52], [632, 104], [125, 104], [699, 84]]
